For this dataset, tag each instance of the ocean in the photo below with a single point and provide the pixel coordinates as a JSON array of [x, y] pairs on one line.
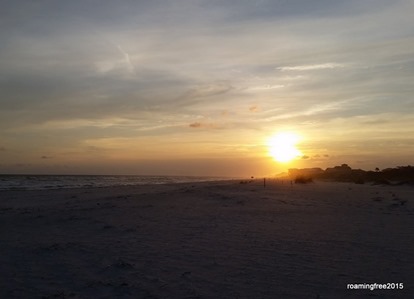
[[45, 182]]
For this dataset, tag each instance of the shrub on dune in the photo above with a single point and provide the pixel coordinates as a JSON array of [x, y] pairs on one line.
[[303, 180]]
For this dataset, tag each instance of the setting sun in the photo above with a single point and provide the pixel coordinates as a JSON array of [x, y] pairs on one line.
[[282, 147]]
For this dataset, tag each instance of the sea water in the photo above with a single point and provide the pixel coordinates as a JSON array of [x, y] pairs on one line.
[[42, 182]]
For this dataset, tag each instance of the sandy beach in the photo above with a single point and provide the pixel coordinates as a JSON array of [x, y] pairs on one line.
[[207, 240]]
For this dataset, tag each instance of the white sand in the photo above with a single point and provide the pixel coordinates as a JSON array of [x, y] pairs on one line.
[[207, 240]]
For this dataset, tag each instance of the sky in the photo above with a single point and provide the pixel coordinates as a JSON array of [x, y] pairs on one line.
[[198, 87]]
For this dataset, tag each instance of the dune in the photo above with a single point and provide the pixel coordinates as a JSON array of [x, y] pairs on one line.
[[207, 240]]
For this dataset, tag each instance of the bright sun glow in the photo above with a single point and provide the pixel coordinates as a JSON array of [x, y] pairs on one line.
[[282, 147]]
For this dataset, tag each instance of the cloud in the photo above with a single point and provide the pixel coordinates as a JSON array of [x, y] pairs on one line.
[[311, 67], [253, 108], [46, 157], [202, 125], [127, 59], [315, 157], [376, 122], [265, 87], [195, 125], [120, 66], [207, 90]]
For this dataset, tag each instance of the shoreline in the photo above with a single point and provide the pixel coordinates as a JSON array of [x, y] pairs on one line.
[[53, 182], [270, 181]]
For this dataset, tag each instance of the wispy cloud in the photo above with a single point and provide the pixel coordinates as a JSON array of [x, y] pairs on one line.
[[209, 90], [311, 67], [266, 87]]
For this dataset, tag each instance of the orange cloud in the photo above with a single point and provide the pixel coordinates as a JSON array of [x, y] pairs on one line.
[[195, 125], [202, 125]]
